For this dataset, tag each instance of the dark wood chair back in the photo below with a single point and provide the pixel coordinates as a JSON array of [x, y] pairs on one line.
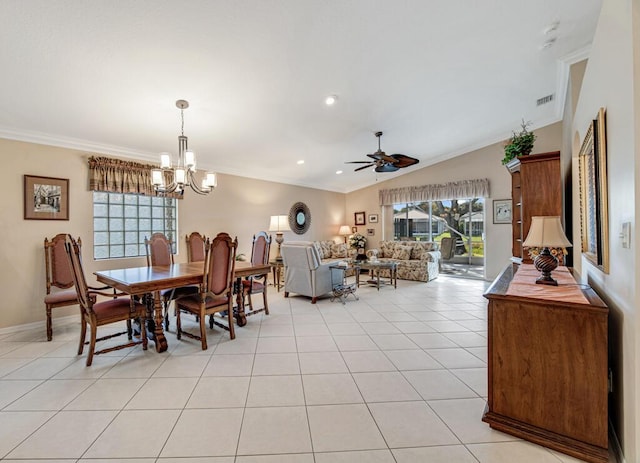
[[196, 247], [220, 265], [260, 248], [74, 257], [158, 249], [58, 275]]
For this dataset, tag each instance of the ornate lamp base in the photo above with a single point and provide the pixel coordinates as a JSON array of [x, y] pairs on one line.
[[279, 240], [546, 263]]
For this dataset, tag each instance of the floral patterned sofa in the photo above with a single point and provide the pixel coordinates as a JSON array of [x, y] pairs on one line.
[[417, 260]]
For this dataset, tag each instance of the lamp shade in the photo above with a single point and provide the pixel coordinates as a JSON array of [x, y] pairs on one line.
[[344, 230], [279, 223], [546, 231]]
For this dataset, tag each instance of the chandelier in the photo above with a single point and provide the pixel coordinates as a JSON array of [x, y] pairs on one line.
[[183, 174]]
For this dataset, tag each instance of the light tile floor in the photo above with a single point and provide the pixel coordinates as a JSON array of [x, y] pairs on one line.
[[397, 376]]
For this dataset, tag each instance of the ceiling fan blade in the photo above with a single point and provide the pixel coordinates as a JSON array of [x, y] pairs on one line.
[[387, 168], [377, 155], [364, 167], [404, 161], [390, 159], [357, 162]]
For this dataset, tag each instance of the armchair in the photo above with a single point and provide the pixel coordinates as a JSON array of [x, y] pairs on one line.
[[305, 274]]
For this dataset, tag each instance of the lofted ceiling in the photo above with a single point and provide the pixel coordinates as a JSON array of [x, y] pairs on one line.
[[439, 78]]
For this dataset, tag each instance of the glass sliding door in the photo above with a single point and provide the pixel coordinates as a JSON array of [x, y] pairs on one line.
[[460, 219]]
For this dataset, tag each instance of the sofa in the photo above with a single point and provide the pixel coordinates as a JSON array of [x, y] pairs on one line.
[[417, 260]]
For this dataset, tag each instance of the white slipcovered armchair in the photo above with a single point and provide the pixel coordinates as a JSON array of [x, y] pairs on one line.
[[305, 274]]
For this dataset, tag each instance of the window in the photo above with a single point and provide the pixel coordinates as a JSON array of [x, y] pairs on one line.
[[122, 221]]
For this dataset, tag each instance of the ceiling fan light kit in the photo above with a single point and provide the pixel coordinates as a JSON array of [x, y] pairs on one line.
[[383, 162]]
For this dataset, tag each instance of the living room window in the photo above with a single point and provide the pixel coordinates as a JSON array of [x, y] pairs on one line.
[[121, 221]]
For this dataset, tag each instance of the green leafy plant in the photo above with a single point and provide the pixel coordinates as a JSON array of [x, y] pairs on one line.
[[521, 143]]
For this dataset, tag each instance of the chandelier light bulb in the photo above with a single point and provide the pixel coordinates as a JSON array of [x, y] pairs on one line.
[[330, 100], [165, 161]]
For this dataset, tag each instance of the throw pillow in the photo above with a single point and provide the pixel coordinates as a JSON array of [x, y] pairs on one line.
[[316, 244], [386, 248], [326, 248], [339, 250], [402, 253], [418, 252]]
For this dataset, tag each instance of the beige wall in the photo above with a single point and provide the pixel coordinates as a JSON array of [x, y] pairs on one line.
[[612, 73], [482, 163], [239, 206]]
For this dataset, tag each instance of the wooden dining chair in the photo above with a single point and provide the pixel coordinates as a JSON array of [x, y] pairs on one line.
[[217, 289], [195, 247], [119, 307], [58, 275], [159, 252], [257, 284]]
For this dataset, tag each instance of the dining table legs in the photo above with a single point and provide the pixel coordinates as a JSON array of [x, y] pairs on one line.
[[158, 332], [241, 318]]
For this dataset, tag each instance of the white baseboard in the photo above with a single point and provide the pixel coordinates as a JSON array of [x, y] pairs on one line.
[[38, 325]]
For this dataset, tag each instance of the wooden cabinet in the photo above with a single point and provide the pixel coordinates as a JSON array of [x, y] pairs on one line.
[[547, 369], [536, 189]]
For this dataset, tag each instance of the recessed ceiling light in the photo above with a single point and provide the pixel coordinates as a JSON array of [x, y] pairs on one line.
[[338, 172], [330, 100], [300, 162]]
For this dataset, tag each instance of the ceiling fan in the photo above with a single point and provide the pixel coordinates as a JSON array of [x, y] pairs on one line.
[[383, 162]]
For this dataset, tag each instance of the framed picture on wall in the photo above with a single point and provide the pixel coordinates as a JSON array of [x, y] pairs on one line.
[[502, 210], [46, 198], [371, 231], [373, 218], [354, 229], [359, 218], [594, 216]]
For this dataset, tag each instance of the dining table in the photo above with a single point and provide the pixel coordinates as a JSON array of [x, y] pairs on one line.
[[138, 281]]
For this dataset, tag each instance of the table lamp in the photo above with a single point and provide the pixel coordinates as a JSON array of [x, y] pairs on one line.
[[279, 224], [345, 230], [546, 232]]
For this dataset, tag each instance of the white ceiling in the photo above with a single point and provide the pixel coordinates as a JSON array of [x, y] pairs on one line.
[[437, 77]]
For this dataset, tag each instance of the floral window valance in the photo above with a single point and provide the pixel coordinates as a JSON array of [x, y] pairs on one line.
[[478, 188], [118, 176]]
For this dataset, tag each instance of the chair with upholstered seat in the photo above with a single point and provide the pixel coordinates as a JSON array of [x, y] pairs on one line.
[[257, 284], [216, 289], [159, 252], [58, 275], [117, 308], [195, 247]]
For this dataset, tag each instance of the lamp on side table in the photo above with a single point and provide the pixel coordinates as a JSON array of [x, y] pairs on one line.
[[345, 230], [279, 224]]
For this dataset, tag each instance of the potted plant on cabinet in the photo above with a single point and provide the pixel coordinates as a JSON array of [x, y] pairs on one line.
[[520, 144]]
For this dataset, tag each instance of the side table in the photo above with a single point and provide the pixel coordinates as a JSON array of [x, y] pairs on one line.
[[277, 268], [341, 288]]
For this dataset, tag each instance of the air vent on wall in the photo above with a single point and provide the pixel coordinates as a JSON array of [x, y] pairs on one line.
[[544, 100]]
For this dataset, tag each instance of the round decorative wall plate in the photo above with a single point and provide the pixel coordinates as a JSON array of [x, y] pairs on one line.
[[299, 218]]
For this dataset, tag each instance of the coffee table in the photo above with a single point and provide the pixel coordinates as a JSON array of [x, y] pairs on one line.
[[375, 268]]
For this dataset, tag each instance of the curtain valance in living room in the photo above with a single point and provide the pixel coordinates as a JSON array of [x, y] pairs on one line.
[[118, 176], [478, 188]]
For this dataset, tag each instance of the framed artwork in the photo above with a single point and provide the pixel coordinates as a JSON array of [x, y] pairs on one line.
[[373, 218], [359, 218], [46, 198], [354, 229], [594, 212], [502, 210], [371, 232]]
